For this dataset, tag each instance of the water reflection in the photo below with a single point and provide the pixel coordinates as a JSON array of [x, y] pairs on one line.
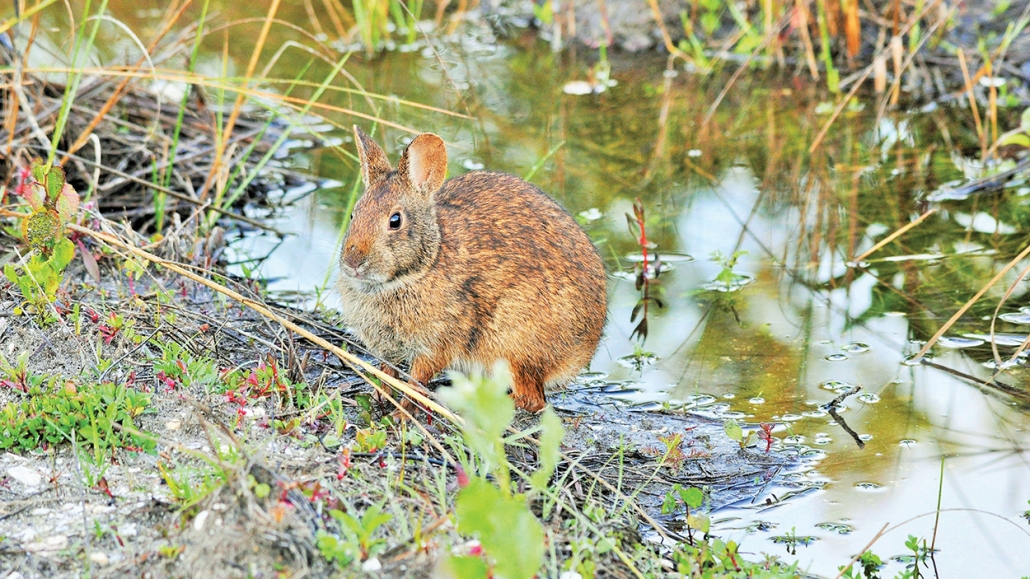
[[810, 322]]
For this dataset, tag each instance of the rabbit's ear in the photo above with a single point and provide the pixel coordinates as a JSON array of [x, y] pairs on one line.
[[424, 163], [374, 163]]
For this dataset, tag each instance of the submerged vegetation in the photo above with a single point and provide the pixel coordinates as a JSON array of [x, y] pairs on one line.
[[165, 412]]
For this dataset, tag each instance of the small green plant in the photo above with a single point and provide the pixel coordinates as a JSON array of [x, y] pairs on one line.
[[869, 565], [177, 366], [358, 541], [791, 539], [52, 410], [735, 432], [727, 279], [921, 552], [718, 558], [51, 203], [691, 498], [188, 485]]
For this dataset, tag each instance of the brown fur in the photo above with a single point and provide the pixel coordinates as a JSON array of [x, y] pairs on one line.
[[484, 267]]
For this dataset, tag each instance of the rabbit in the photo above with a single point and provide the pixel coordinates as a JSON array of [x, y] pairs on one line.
[[465, 272]]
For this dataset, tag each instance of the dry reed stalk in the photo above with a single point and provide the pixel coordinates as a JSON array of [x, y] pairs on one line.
[[968, 89], [897, 233], [238, 104], [965, 307]]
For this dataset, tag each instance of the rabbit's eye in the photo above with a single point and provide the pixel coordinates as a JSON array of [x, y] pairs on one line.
[[395, 221]]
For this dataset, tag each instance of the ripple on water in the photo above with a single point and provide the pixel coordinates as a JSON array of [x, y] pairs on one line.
[[815, 413], [592, 376], [957, 343], [837, 357], [915, 360], [869, 487], [839, 528], [1010, 340], [868, 398], [865, 437], [835, 386], [738, 283], [622, 388], [757, 400], [855, 347], [663, 257], [701, 399], [791, 417], [1020, 317], [639, 361], [907, 442]]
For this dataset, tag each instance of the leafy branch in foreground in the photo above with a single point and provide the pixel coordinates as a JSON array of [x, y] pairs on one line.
[[52, 202], [511, 536]]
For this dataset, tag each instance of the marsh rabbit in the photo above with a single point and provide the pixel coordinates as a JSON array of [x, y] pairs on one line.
[[462, 273]]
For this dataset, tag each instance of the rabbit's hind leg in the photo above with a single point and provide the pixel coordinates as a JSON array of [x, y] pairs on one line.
[[528, 387]]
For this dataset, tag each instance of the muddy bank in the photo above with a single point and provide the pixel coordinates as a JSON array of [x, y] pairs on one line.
[[246, 437]]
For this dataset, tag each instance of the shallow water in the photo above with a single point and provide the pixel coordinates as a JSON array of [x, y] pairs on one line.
[[808, 325]]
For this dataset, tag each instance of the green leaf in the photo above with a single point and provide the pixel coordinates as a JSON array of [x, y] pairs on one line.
[[506, 528], [733, 430], [64, 252], [465, 568], [1018, 139], [693, 497], [700, 522], [551, 436], [487, 409], [54, 183]]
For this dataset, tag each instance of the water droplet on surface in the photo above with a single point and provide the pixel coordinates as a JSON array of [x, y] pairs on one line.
[[837, 357], [729, 396], [757, 400], [865, 437], [791, 417], [855, 347]]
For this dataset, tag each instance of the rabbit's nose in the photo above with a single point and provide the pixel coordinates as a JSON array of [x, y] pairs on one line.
[[352, 257]]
